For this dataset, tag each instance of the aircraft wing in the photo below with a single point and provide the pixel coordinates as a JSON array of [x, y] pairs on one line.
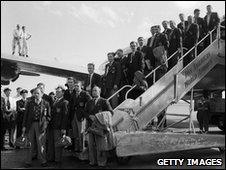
[[54, 68]]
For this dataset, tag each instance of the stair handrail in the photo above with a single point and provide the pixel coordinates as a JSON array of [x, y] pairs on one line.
[[195, 46], [129, 86], [152, 72]]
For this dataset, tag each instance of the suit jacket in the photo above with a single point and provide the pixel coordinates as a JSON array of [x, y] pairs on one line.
[[92, 108], [167, 32], [3, 109], [214, 21], [29, 114], [202, 27], [191, 35], [78, 104], [112, 75], [68, 95], [161, 39], [122, 62], [133, 64], [48, 99], [183, 29], [20, 113], [147, 55], [59, 114], [175, 41], [96, 80]]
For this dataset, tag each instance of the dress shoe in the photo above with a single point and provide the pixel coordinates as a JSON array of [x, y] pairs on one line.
[[44, 164], [27, 165]]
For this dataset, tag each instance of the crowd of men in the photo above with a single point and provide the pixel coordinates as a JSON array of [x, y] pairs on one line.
[[77, 109]]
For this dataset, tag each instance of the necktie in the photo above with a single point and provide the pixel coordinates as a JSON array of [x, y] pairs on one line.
[[95, 101], [8, 104], [107, 67], [90, 78], [152, 40], [131, 57]]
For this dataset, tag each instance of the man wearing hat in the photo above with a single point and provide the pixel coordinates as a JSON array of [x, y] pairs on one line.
[[10, 114], [20, 108]]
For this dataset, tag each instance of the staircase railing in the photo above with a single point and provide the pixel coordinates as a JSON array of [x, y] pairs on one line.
[[153, 72]]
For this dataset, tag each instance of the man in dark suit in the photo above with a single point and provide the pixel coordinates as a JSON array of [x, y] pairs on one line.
[[93, 79], [191, 38], [59, 121], [160, 40], [201, 23], [112, 77], [96, 105], [134, 62], [36, 118], [150, 46], [167, 30], [49, 133], [3, 122], [212, 20], [202, 28], [45, 96], [121, 58], [70, 84], [77, 113], [182, 25], [145, 50], [175, 43], [20, 108]]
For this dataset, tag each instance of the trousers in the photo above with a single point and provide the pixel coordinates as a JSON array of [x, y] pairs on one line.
[[33, 136]]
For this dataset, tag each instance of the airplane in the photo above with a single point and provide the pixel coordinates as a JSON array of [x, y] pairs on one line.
[[12, 66]]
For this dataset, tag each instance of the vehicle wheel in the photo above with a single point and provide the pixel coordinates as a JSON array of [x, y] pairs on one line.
[[123, 160], [221, 125], [222, 149]]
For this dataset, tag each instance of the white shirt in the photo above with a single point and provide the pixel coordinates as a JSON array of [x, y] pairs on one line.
[[17, 34], [208, 18], [91, 76], [12, 102], [152, 40], [25, 35]]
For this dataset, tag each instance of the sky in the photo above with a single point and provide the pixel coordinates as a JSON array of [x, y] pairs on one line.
[[80, 32]]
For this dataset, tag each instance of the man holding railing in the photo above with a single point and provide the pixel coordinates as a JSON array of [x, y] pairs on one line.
[[212, 20]]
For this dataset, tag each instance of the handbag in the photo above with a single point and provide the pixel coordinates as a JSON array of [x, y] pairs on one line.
[[64, 141], [23, 142]]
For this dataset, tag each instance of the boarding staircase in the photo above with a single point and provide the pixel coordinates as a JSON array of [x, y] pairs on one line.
[[133, 115]]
